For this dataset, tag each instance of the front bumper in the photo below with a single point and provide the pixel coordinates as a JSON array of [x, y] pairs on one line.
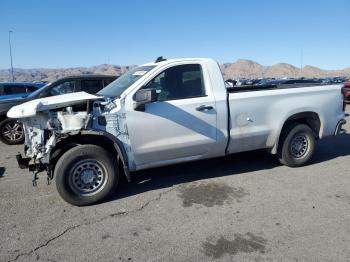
[[339, 129]]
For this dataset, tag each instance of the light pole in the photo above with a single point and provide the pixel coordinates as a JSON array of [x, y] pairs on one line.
[[13, 78], [301, 62]]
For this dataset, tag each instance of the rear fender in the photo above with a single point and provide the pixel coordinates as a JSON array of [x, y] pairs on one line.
[[309, 117]]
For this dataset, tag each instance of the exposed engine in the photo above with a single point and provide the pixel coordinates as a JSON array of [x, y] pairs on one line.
[[44, 130]]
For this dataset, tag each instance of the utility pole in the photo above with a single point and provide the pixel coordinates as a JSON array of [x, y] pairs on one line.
[[13, 77], [301, 63]]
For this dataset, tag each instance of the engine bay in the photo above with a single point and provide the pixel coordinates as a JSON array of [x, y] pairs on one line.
[[46, 128]]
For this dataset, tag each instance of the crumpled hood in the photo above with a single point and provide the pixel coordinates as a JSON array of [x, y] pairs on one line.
[[30, 108]]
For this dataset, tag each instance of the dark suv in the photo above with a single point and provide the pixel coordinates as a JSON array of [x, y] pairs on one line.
[[11, 131]]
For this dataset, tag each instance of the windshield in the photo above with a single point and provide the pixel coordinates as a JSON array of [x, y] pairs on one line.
[[117, 87]]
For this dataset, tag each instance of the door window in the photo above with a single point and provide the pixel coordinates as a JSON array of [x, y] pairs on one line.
[[14, 89], [106, 82], [91, 86], [63, 88], [31, 89], [179, 82]]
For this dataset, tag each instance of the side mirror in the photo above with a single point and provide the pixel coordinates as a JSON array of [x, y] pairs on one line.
[[143, 97]]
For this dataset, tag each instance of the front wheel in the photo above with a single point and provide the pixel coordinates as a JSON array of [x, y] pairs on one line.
[[297, 145], [86, 174]]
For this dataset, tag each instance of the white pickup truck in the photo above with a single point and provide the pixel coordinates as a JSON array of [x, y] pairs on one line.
[[167, 112]]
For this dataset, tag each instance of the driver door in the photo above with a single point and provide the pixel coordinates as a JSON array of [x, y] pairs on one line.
[[180, 125]]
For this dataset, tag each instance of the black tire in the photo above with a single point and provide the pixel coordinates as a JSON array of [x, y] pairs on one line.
[[80, 169], [296, 136], [11, 132]]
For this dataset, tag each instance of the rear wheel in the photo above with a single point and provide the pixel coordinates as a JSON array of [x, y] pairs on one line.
[[86, 174], [11, 132], [297, 145]]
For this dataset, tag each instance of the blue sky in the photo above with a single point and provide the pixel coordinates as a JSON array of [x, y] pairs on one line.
[[52, 34]]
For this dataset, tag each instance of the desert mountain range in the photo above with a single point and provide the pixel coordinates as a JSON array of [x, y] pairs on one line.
[[250, 69], [239, 69]]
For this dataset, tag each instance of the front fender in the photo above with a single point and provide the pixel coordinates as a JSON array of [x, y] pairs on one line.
[[100, 138]]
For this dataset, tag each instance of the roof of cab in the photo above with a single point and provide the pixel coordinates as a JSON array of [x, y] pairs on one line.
[[170, 61]]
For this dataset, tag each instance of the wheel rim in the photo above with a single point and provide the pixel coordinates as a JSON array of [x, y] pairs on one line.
[[299, 145], [88, 177], [13, 131]]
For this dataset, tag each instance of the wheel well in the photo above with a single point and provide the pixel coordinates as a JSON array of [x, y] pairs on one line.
[[2, 117], [310, 119], [93, 139]]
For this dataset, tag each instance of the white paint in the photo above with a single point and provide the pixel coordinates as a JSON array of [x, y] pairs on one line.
[[29, 109]]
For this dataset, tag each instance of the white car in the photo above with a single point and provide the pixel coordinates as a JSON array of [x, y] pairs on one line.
[[167, 112]]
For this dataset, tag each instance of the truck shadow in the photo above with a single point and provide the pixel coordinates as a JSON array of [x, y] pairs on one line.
[[236, 164], [331, 147]]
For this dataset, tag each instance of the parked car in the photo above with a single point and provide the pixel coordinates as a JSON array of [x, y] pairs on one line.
[[294, 81], [9, 90], [346, 91], [167, 112], [11, 131]]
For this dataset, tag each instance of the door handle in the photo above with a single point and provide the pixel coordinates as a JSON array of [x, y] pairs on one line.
[[204, 108]]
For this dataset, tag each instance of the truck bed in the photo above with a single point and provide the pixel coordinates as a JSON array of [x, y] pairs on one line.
[[250, 88], [257, 117]]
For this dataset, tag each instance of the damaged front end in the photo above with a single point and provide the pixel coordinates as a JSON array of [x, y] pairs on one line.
[[49, 121], [44, 130]]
